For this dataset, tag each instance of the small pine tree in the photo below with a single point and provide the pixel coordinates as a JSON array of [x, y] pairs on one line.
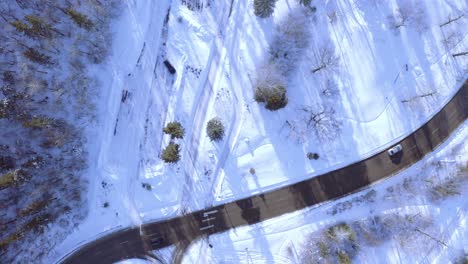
[[20, 26], [37, 27], [80, 19], [264, 8], [215, 129], [343, 258], [322, 249], [40, 122], [36, 56], [305, 2], [174, 129], [36, 22], [171, 154]]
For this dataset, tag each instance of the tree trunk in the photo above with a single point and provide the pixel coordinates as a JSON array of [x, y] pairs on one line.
[[321, 67], [460, 54]]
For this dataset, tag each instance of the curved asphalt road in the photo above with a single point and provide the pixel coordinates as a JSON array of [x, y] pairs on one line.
[[135, 242]]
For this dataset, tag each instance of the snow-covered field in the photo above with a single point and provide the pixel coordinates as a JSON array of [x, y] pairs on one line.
[[381, 82]]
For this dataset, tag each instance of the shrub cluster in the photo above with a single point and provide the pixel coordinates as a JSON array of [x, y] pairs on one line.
[[147, 186], [274, 98], [338, 244], [171, 154], [285, 51], [312, 156]]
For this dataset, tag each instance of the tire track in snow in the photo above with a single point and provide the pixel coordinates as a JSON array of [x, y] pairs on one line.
[[215, 72], [113, 166], [235, 125], [125, 157]]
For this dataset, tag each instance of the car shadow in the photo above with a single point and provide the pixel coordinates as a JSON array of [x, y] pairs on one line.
[[397, 157]]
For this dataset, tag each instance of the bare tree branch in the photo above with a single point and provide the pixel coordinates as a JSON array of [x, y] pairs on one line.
[[450, 20], [325, 58], [323, 121], [418, 96]]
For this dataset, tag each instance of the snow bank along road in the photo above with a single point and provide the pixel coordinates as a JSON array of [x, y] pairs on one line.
[[136, 242]]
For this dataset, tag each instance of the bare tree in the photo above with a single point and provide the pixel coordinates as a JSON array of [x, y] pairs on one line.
[[296, 131], [319, 120], [401, 17], [332, 16], [290, 41], [269, 76], [452, 38], [432, 93], [323, 121], [330, 88], [408, 15], [325, 58], [421, 102]]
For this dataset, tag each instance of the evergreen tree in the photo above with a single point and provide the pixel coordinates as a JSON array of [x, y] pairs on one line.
[[215, 129], [37, 27], [20, 26], [171, 154], [264, 8], [80, 19], [36, 56], [174, 129]]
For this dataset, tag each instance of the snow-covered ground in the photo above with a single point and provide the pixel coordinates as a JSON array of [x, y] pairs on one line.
[[417, 216], [383, 83], [114, 156]]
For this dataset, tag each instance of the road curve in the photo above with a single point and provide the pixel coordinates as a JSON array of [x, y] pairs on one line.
[[135, 242]]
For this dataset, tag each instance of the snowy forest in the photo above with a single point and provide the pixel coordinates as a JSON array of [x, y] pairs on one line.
[[47, 97]]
